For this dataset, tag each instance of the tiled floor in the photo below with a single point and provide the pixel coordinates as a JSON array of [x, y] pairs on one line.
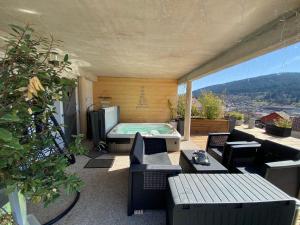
[[103, 199], [261, 134]]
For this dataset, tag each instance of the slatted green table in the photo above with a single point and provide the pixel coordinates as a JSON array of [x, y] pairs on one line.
[[227, 199]]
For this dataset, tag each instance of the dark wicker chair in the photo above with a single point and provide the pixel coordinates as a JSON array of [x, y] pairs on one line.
[[277, 163], [216, 142], [150, 168]]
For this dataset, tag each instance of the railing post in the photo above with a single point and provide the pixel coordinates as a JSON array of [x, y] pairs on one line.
[[188, 108]]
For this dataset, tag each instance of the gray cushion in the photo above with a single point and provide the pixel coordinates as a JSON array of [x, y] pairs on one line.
[[137, 150], [216, 153], [157, 158], [252, 169], [237, 135], [273, 152]]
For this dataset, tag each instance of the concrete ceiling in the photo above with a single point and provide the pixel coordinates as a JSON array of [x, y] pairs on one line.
[[143, 38]]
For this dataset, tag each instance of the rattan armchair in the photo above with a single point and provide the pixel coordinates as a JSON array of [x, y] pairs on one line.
[[148, 174]]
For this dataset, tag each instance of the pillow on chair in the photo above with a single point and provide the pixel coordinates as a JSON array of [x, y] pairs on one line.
[[137, 150]]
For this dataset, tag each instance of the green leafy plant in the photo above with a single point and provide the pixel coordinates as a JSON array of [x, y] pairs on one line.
[[212, 105], [6, 218], [283, 123], [236, 115], [29, 87], [172, 109], [181, 106], [195, 112]]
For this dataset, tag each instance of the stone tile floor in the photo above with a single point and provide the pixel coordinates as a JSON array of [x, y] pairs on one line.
[[103, 199]]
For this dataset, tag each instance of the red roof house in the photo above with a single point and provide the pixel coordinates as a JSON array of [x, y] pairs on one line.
[[274, 116]]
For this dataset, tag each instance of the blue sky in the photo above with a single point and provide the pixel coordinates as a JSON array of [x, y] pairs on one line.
[[283, 60]]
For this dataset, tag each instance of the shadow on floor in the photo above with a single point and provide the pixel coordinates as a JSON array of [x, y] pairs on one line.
[[103, 198]]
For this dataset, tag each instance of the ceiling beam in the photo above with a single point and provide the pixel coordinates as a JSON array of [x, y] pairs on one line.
[[283, 31], [87, 75]]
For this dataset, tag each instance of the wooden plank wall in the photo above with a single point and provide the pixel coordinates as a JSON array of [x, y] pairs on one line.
[[140, 100], [203, 126]]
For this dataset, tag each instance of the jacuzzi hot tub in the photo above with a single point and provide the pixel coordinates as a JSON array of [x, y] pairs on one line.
[[120, 138]]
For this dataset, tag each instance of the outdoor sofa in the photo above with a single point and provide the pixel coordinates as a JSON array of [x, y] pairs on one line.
[[277, 163], [149, 170]]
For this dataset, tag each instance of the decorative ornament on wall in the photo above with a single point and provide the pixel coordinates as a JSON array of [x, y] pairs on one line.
[[142, 99]]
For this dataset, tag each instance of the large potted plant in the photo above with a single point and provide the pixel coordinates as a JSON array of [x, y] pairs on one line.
[[209, 117], [212, 106], [280, 127], [173, 116], [180, 114], [30, 164]]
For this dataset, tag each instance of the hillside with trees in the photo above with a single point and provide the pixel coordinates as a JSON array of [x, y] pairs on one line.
[[276, 89]]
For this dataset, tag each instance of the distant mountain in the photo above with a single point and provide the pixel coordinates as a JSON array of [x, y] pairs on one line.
[[281, 88]]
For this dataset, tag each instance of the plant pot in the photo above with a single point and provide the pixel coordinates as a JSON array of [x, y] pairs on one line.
[[239, 122], [180, 126], [173, 123], [251, 123], [19, 210], [278, 131], [232, 122]]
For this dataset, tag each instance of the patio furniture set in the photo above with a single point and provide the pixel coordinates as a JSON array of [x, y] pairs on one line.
[[225, 192], [279, 164]]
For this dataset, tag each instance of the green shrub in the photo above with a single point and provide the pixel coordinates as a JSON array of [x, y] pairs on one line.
[[195, 111], [283, 123], [181, 108], [212, 105], [236, 115], [172, 110], [29, 87]]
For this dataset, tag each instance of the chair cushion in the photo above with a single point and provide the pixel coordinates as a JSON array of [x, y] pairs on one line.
[[157, 159], [216, 153], [137, 150], [155, 145], [216, 141], [237, 135], [272, 152], [252, 169]]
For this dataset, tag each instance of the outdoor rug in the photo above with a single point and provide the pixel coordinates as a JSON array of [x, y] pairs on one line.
[[99, 163], [94, 153]]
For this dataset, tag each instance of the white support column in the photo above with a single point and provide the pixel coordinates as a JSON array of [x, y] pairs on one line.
[[188, 108]]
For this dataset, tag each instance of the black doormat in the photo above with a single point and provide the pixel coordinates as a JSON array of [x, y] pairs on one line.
[[99, 163], [93, 153]]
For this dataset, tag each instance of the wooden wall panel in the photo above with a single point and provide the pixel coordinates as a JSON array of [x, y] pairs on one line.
[[204, 126], [140, 100]]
